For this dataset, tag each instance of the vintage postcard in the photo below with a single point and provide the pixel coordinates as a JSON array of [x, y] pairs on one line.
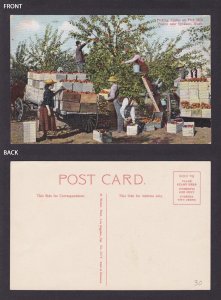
[[110, 225], [94, 79]]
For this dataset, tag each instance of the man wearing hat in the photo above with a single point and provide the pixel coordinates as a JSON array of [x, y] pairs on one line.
[[113, 96], [47, 118]]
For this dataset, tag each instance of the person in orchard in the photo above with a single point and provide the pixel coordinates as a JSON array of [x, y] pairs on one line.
[[47, 117], [139, 64], [127, 110], [113, 96], [79, 55]]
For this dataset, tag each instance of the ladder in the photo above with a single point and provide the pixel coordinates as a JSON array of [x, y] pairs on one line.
[[146, 84]]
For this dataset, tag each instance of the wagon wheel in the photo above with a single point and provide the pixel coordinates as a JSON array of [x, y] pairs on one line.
[[19, 109], [89, 123]]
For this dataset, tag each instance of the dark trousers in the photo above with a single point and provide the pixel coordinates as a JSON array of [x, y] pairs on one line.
[[120, 120]]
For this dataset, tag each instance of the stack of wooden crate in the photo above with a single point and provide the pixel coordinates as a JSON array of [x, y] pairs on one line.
[[193, 97], [72, 101]]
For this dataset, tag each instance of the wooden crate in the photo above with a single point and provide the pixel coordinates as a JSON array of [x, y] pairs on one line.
[[205, 100], [87, 87], [188, 129], [30, 75], [68, 85], [88, 108], [206, 113], [38, 76], [197, 113], [174, 128], [102, 137], [149, 127], [159, 116], [193, 85], [71, 76], [184, 85], [185, 112], [72, 97], [81, 76], [77, 86], [132, 130], [89, 98], [29, 132], [69, 106], [204, 94], [30, 82], [57, 76], [184, 94], [203, 85]]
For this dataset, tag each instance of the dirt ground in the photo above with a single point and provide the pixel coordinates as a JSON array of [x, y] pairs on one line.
[[159, 136]]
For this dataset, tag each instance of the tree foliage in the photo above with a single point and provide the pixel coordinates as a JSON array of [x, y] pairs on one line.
[[165, 56], [41, 53], [19, 65], [45, 53], [116, 38], [199, 38]]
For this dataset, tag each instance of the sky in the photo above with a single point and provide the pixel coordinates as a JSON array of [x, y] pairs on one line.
[[23, 27]]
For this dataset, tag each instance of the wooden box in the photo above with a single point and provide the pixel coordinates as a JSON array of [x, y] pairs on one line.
[[89, 98], [196, 113], [174, 127], [132, 130], [149, 127], [73, 97], [29, 131], [206, 113], [68, 85], [71, 76], [102, 137], [88, 108], [77, 86], [69, 106], [87, 87], [184, 112], [30, 75], [188, 129], [81, 76]]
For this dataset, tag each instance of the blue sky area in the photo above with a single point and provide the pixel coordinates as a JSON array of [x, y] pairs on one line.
[[23, 27]]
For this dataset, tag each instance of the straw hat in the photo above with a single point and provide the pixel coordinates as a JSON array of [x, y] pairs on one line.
[[113, 79], [49, 81]]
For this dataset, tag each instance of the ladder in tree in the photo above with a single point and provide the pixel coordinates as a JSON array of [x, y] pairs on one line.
[[146, 84]]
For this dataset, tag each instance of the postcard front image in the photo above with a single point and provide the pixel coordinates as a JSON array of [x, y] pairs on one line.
[[116, 79]]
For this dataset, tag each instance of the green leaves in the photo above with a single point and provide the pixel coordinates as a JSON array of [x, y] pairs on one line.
[[42, 53], [118, 37], [19, 65]]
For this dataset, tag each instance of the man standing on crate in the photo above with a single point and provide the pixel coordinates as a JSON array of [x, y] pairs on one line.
[[79, 56]]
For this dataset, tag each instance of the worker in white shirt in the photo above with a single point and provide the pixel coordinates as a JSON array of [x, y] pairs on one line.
[[113, 96], [128, 108]]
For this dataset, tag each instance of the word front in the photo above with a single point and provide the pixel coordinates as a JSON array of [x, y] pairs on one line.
[[12, 5]]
